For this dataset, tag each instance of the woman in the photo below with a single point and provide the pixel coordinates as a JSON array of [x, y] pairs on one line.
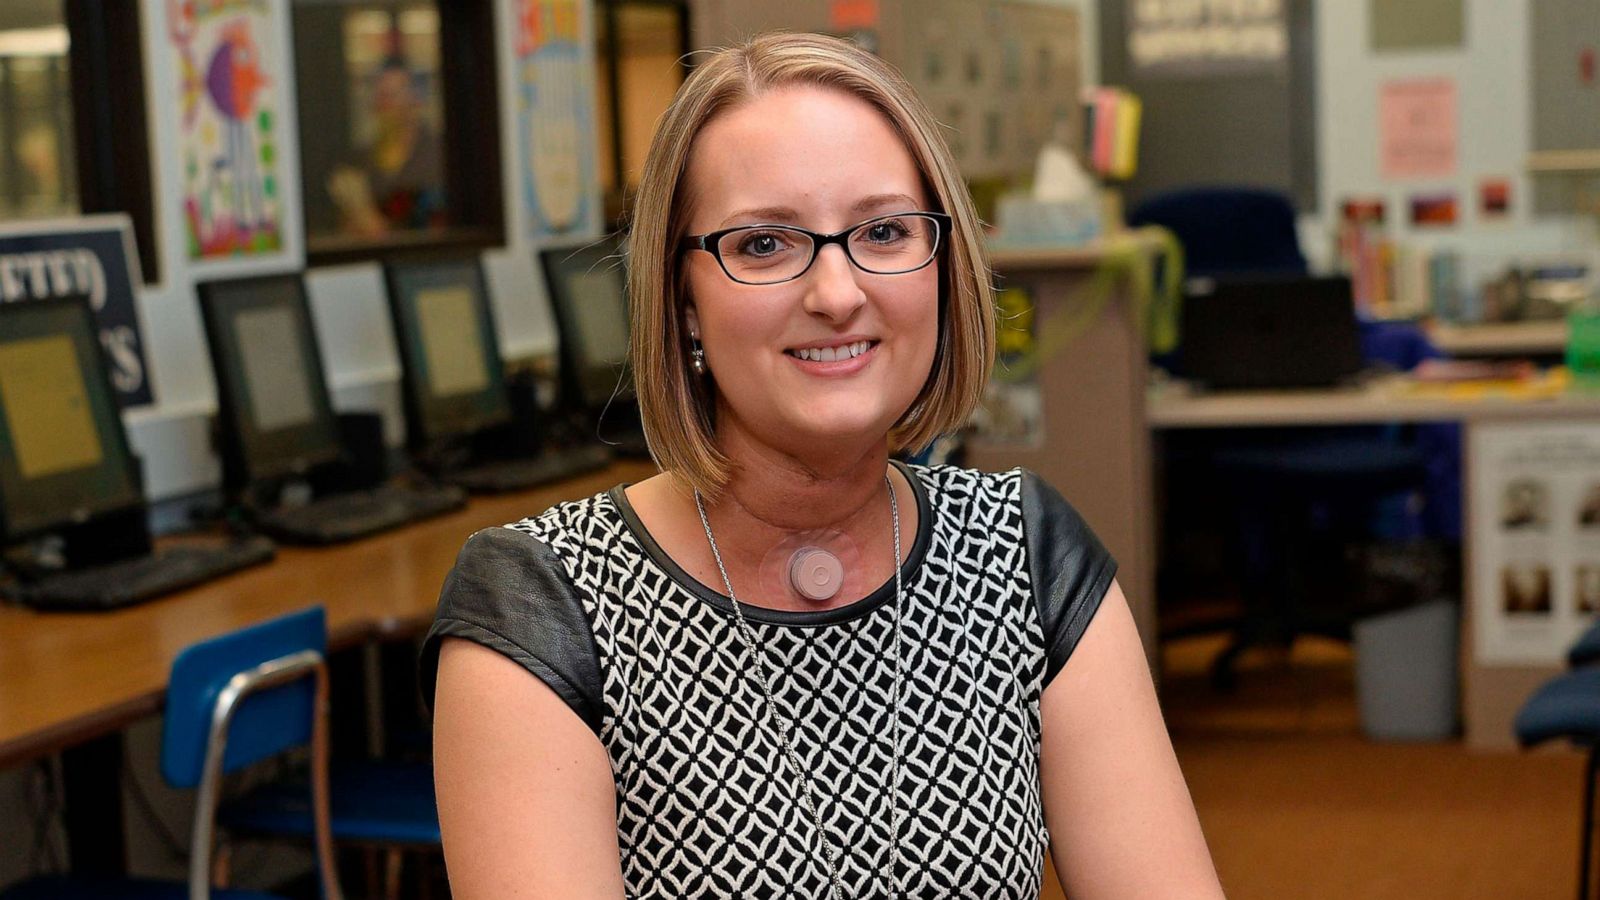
[[718, 709]]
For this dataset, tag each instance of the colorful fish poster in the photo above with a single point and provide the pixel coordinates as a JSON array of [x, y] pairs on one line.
[[555, 118], [231, 95]]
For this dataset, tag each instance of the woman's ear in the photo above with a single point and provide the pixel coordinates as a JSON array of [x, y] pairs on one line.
[[692, 319]]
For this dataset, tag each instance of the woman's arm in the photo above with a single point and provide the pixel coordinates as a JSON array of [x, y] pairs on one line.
[[526, 799], [1121, 821]]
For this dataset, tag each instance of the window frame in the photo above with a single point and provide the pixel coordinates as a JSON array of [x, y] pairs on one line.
[[469, 78], [111, 136], [618, 202]]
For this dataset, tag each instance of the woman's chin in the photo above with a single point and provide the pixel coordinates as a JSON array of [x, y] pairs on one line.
[[823, 431]]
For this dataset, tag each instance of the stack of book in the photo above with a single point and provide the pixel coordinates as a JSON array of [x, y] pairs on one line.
[[1111, 131]]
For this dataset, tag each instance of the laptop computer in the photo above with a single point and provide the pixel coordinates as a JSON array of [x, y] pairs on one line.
[[1269, 332]]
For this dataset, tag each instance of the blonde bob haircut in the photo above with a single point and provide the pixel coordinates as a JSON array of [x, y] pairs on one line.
[[678, 406]]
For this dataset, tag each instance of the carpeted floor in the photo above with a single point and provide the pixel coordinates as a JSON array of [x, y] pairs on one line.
[[1297, 804]]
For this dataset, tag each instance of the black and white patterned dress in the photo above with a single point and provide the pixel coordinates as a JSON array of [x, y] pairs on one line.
[[1000, 584]]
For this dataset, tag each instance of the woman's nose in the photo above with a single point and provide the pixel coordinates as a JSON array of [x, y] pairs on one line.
[[832, 290]]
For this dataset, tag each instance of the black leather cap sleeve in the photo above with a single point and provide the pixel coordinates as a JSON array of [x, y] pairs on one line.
[[509, 593], [1070, 569]]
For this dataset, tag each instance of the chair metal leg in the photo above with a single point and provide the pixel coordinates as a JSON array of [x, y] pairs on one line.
[[1586, 835], [393, 860], [222, 863]]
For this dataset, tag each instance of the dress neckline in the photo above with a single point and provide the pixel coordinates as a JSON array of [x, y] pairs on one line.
[[838, 615]]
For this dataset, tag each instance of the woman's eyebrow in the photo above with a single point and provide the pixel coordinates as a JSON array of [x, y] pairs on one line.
[[787, 215], [762, 214], [879, 201]]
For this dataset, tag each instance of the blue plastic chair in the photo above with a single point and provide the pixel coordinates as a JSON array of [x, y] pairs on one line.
[[1568, 706], [1586, 651], [376, 804], [232, 702]]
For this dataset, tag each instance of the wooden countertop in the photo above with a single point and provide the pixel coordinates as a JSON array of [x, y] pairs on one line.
[[1383, 400], [1537, 338], [70, 677]]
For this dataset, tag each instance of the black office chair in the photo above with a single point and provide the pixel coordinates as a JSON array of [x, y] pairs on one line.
[[1287, 485]]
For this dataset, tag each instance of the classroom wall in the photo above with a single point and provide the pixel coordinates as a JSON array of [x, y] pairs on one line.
[[347, 302], [1493, 71], [1254, 126]]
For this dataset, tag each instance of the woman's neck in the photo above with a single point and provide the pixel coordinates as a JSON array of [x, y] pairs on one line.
[[785, 492], [777, 502]]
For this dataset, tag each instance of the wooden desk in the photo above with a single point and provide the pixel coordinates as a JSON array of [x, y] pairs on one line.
[[1491, 694], [1175, 405], [1095, 447], [1537, 338], [66, 678]]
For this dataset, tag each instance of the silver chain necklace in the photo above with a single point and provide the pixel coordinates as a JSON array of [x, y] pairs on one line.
[[786, 730]]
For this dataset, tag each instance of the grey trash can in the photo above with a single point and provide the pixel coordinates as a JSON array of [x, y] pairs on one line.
[[1407, 683]]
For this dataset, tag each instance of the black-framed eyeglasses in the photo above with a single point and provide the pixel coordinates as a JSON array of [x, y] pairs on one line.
[[772, 254]]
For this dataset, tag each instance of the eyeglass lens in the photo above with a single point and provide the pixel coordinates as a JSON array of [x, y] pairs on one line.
[[772, 253]]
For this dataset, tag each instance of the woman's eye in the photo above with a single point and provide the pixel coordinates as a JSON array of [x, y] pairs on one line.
[[884, 232], [760, 245]]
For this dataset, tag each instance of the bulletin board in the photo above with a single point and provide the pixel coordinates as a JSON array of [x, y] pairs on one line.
[[1534, 515], [969, 61], [1233, 122], [1565, 86]]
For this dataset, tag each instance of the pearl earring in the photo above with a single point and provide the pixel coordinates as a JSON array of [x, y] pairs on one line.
[[697, 357]]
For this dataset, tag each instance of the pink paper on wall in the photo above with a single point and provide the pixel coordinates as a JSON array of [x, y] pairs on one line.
[[1417, 128]]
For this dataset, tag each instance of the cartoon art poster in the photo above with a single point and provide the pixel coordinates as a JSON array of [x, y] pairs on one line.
[[230, 94], [555, 118]]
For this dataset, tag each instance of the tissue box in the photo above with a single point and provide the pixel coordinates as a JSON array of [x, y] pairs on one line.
[[1026, 222]]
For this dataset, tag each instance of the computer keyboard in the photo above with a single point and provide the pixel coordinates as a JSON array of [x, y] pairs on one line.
[[529, 472], [130, 581], [344, 517]]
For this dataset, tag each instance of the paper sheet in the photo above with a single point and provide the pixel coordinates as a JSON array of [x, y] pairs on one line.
[[1418, 134]]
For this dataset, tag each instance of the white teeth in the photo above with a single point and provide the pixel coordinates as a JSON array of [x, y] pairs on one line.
[[833, 354]]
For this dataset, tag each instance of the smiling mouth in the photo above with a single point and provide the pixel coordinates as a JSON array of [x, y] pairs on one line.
[[832, 354]]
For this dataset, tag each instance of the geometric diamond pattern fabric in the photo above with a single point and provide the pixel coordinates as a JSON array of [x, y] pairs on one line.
[[706, 804]]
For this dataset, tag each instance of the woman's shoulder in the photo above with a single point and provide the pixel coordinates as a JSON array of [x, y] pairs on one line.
[[949, 483], [1049, 521], [571, 521], [511, 590]]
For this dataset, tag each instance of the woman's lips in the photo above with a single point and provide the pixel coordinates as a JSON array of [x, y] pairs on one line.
[[844, 366]]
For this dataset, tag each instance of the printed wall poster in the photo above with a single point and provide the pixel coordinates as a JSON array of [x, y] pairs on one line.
[[1417, 122], [1534, 494], [1409, 25], [1494, 198], [1433, 209], [555, 119], [1188, 38], [231, 93], [92, 256]]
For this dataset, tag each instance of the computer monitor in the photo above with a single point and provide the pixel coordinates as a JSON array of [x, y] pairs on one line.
[[454, 379], [587, 284], [1270, 331], [64, 458], [275, 419]]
